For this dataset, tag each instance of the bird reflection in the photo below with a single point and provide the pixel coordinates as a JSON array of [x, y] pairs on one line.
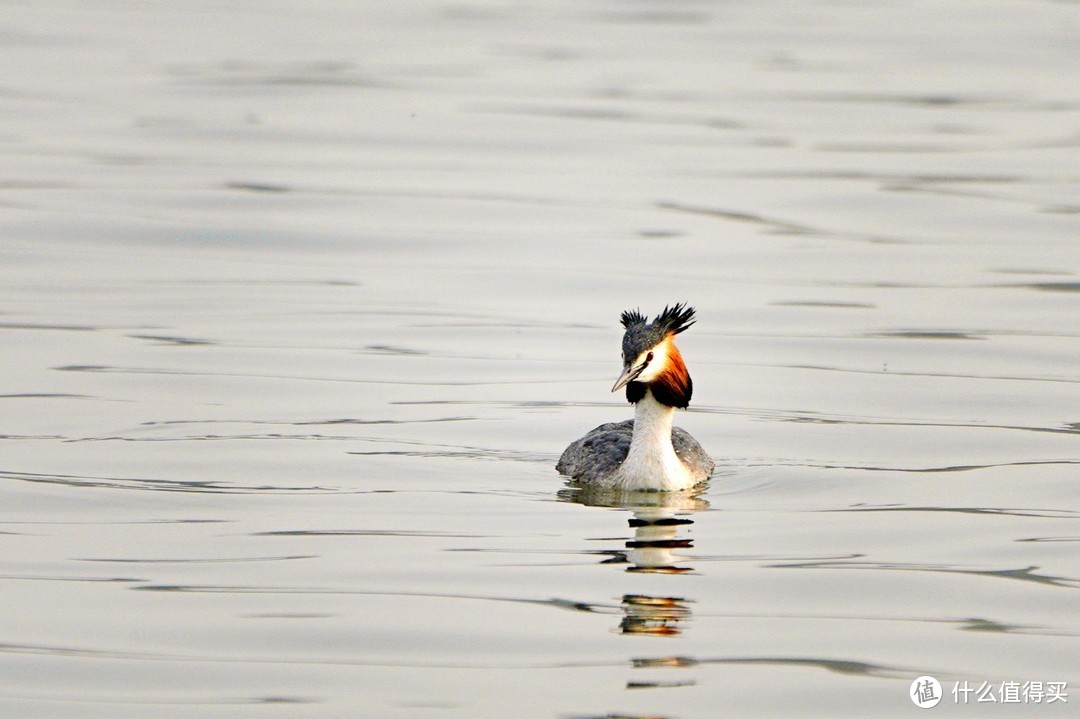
[[647, 616], [660, 524], [659, 521], [654, 547]]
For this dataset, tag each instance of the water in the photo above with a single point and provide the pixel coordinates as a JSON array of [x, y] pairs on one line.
[[299, 303]]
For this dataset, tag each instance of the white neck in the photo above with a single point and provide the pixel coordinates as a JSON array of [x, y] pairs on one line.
[[651, 462]]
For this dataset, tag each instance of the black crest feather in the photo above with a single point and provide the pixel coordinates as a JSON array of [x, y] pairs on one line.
[[642, 335], [674, 320], [632, 317]]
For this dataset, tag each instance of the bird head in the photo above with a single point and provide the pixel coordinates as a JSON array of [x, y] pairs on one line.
[[650, 358]]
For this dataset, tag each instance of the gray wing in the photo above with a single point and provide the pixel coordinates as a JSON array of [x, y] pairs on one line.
[[691, 453], [598, 453]]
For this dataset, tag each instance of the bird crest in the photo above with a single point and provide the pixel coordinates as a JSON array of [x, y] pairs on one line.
[[672, 321], [632, 317]]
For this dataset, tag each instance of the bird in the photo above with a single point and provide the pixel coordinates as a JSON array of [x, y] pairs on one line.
[[646, 453]]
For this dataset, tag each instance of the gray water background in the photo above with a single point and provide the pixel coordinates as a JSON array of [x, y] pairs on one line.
[[299, 303]]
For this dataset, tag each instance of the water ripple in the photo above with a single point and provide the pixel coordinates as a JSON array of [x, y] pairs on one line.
[[161, 485], [1024, 574]]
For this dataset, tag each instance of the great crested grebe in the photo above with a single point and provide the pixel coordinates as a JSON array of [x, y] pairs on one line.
[[647, 452]]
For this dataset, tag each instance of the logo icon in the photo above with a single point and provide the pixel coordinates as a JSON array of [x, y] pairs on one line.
[[925, 692]]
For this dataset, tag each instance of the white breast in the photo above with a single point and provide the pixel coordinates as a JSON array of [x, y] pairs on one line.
[[651, 463]]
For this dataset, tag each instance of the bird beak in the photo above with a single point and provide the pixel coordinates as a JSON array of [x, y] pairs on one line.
[[629, 375]]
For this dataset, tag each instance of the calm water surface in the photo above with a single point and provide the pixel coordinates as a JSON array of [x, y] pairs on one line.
[[299, 303]]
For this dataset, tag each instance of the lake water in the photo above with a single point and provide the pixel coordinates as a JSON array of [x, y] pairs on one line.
[[300, 302]]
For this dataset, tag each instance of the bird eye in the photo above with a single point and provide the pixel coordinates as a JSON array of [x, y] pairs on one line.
[[648, 358]]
